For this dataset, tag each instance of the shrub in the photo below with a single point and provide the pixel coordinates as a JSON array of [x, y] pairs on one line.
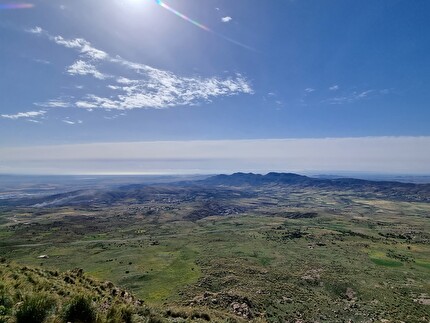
[[176, 314], [3, 311], [80, 309], [35, 309], [5, 300], [203, 316]]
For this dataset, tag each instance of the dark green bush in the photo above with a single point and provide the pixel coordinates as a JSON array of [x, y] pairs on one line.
[[35, 309], [197, 315], [176, 314], [5, 300], [80, 310]]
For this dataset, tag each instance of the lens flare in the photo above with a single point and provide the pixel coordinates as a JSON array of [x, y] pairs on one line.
[[195, 23], [201, 26], [16, 6]]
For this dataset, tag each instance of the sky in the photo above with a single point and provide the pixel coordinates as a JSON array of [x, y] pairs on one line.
[[291, 85]]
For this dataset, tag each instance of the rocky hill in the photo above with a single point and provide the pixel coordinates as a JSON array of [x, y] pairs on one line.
[[36, 295]]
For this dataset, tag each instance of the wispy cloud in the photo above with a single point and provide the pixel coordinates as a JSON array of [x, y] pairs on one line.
[[350, 97], [161, 89], [334, 87], [273, 99], [84, 68], [309, 90], [72, 122], [55, 103], [150, 88], [85, 105], [112, 117], [42, 61], [35, 30], [82, 45], [226, 19], [20, 115], [124, 80]]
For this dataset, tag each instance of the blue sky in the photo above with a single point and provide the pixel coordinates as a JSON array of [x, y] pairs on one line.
[[96, 71]]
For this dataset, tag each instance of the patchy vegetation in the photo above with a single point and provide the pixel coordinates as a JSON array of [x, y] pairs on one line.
[[244, 251]]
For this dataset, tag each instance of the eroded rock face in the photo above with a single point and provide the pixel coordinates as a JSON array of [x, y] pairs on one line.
[[241, 309], [350, 294], [239, 305]]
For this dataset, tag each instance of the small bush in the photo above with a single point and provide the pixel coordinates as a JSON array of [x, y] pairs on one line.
[[203, 316], [176, 314], [35, 309], [3, 311], [5, 300], [80, 309]]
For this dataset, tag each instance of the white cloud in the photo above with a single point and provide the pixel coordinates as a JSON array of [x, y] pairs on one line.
[[72, 122], [42, 61], [84, 68], [82, 45], [85, 105], [226, 19], [124, 80], [364, 94], [94, 101], [115, 116], [19, 115], [161, 89], [55, 103], [35, 30], [334, 88], [365, 154], [151, 87], [350, 98], [309, 90]]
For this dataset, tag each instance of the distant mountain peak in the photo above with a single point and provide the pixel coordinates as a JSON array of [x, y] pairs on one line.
[[240, 178]]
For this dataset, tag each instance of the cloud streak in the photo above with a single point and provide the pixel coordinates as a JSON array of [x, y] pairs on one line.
[[84, 68], [72, 122], [24, 115], [54, 103], [350, 98], [83, 46]]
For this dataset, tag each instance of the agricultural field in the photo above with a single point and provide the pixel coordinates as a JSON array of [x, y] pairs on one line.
[[239, 248]]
